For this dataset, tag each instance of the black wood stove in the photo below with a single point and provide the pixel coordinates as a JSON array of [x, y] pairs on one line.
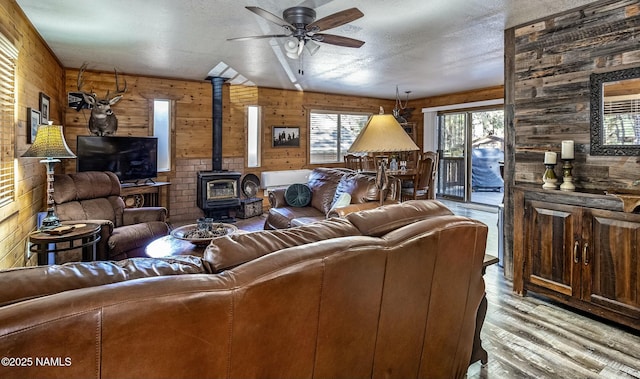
[[218, 189]]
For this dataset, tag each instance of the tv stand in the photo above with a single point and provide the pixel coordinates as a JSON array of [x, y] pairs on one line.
[[147, 194], [138, 182]]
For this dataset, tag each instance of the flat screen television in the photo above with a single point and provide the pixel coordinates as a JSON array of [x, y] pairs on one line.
[[132, 159]]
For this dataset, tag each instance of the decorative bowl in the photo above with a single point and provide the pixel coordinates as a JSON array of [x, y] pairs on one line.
[[199, 236]]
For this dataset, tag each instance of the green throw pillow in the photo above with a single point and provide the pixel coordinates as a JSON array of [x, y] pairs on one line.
[[298, 195]]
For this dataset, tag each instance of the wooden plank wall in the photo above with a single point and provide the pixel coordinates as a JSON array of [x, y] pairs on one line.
[[553, 60], [192, 109], [193, 113], [547, 68], [291, 108], [37, 71]]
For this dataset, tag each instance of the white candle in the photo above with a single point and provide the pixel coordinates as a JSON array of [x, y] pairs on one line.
[[567, 149], [550, 157]]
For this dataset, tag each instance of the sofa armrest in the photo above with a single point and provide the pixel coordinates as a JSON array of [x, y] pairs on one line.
[[343, 211], [276, 198], [132, 216]]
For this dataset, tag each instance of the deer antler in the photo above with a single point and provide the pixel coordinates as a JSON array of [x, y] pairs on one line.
[[118, 90], [80, 80]]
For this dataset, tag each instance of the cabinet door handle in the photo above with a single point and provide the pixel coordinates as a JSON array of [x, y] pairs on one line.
[[585, 254], [576, 252]]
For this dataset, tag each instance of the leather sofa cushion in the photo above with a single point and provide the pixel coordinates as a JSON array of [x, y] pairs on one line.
[[300, 221], [230, 251], [362, 188], [32, 282], [85, 185], [282, 217], [101, 208], [323, 183], [380, 221]]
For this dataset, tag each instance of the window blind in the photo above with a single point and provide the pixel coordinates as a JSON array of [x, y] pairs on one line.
[[8, 56], [332, 133]]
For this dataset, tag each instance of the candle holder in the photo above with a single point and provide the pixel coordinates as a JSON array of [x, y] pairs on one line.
[[549, 177], [567, 184]]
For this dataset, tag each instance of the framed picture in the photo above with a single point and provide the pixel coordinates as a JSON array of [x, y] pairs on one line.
[[285, 136], [33, 118], [44, 108]]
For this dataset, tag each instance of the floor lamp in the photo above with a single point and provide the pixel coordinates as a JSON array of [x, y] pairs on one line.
[[382, 133], [50, 145]]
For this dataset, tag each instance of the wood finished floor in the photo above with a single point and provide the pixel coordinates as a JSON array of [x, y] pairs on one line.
[[533, 337]]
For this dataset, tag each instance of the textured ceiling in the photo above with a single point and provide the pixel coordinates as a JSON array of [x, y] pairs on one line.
[[428, 47]]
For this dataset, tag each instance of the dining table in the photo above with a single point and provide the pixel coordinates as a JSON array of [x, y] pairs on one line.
[[410, 174]]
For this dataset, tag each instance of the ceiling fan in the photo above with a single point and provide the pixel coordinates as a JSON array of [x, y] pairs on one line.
[[303, 30]]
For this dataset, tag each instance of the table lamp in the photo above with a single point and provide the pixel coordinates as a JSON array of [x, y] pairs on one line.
[[50, 145], [382, 133]]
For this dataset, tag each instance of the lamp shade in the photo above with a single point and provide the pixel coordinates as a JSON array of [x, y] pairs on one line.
[[382, 134], [49, 143]]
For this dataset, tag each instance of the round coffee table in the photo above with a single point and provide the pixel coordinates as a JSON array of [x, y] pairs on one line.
[[168, 245]]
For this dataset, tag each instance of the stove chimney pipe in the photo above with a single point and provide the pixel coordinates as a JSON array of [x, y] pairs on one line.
[[217, 84]]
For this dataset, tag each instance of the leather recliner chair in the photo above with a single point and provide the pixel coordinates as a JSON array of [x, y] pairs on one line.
[[94, 196]]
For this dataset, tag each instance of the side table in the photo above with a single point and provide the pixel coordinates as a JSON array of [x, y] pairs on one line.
[[85, 237]]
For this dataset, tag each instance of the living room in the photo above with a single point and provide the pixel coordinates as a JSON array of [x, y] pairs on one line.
[[546, 92]]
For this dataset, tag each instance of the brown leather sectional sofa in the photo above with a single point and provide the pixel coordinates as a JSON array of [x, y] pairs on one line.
[[326, 185], [389, 292]]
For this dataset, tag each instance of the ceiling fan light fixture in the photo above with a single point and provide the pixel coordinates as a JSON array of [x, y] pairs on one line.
[[311, 46], [302, 27], [291, 46]]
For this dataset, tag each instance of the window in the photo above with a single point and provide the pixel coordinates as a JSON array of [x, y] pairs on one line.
[[8, 56], [162, 130], [332, 133], [253, 136]]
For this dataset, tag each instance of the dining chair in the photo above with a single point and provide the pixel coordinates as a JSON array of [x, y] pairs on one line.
[[368, 163], [423, 187], [353, 162]]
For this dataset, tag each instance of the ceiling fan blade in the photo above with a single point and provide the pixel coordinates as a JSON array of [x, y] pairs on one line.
[[271, 17], [335, 20], [258, 37], [337, 40]]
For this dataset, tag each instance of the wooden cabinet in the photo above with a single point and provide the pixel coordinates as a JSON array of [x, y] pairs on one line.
[[611, 261], [573, 252]]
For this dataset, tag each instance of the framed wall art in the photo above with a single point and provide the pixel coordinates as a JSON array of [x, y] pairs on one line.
[[33, 121], [44, 108], [285, 136]]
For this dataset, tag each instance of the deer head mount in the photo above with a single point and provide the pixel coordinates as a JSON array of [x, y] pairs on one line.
[[102, 121]]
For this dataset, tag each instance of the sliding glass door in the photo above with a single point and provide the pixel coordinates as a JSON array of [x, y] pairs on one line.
[[452, 146], [471, 146]]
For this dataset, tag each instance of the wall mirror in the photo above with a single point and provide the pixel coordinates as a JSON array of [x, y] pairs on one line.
[[615, 112]]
